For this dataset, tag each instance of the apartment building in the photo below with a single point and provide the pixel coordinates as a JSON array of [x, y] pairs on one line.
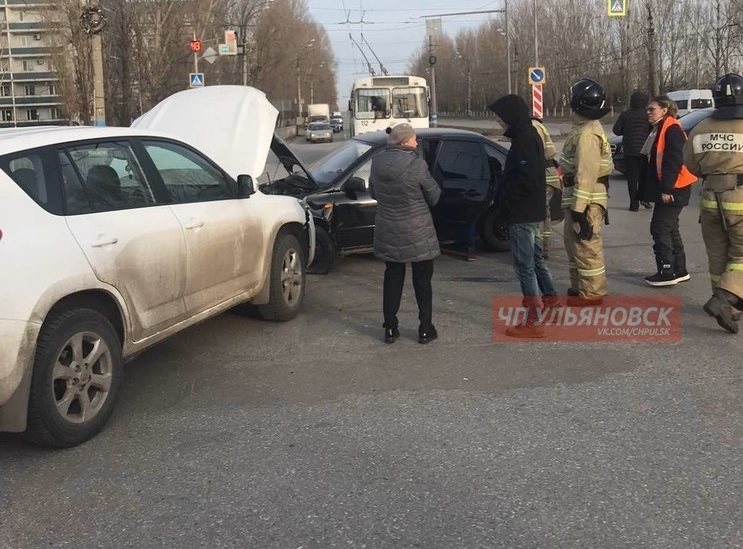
[[28, 82]]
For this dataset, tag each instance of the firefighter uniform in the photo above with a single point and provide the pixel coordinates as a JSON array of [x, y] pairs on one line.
[[714, 152], [586, 164], [554, 185]]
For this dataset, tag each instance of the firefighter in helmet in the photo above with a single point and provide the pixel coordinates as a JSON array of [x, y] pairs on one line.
[[586, 164], [714, 152]]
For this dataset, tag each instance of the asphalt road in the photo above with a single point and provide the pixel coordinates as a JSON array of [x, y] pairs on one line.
[[314, 434]]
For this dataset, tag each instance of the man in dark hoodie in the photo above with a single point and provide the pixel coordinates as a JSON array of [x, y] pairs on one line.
[[524, 187], [634, 128]]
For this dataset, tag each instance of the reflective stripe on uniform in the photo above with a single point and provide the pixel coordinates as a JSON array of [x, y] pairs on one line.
[[714, 278], [579, 193], [735, 266], [592, 272], [727, 206]]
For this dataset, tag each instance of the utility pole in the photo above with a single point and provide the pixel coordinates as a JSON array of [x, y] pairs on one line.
[[299, 91], [432, 64], [93, 21], [469, 90], [536, 37], [508, 45], [653, 84]]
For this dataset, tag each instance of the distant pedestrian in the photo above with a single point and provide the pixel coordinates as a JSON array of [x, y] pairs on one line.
[[404, 231], [670, 182], [634, 128], [524, 183]]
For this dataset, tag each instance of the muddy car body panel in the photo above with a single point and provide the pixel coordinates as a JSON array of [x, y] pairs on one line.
[[142, 228]]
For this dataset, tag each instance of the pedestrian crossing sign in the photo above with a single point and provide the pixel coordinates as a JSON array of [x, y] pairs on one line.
[[196, 79], [617, 8]]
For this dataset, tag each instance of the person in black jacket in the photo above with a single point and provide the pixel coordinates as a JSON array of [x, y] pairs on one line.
[[634, 128], [524, 187], [671, 184]]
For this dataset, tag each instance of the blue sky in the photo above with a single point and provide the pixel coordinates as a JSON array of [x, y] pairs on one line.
[[390, 26]]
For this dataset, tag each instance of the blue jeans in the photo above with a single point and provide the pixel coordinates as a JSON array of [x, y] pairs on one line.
[[526, 249]]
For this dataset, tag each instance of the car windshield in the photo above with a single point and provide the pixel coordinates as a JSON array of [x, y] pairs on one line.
[[693, 118], [326, 170], [320, 126]]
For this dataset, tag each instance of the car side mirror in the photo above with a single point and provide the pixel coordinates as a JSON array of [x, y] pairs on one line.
[[245, 186], [355, 185]]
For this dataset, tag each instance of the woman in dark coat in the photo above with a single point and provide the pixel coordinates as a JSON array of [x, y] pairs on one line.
[[671, 183], [404, 231], [634, 128]]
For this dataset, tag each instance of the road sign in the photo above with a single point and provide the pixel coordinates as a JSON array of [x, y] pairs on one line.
[[433, 30], [196, 46], [536, 101], [210, 54], [196, 79], [617, 8], [536, 75], [224, 49], [230, 39]]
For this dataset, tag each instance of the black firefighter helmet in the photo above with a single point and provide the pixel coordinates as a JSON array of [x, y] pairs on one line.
[[588, 99], [728, 90]]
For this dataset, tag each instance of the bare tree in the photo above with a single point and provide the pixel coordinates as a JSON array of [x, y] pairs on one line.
[[72, 58]]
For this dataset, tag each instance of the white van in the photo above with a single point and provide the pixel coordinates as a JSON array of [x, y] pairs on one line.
[[691, 100]]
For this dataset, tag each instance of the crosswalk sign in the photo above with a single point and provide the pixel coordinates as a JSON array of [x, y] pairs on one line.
[[196, 79], [617, 8]]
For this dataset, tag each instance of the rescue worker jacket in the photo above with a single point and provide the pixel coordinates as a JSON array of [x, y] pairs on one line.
[[586, 164], [715, 147], [670, 170], [550, 155]]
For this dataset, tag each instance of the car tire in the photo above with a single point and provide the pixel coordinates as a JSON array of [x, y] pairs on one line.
[[495, 232], [287, 279], [324, 253], [70, 382]]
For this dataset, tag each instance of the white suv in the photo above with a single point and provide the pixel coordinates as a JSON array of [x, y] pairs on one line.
[[112, 239]]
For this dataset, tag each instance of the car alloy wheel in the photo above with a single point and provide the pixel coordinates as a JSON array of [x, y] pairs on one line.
[[286, 279], [76, 376], [82, 377], [291, 277]]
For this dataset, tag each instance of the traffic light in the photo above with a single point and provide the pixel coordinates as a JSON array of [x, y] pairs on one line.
[[195, 46]]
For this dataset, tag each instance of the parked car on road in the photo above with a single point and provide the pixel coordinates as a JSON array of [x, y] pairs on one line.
[[113, 239], [466, 165], [688, 122], [319, 131], [336, 122]]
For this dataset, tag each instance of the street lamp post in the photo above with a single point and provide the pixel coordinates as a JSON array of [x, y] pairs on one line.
[[468, 71], [304, 46]]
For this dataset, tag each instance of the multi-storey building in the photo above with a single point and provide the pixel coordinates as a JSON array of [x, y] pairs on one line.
[[28, 83]]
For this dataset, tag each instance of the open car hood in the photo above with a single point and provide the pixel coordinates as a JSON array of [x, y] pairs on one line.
[[232, 125]]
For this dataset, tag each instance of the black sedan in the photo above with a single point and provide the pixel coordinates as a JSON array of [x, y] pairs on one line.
[[467, 165], [688, 122]]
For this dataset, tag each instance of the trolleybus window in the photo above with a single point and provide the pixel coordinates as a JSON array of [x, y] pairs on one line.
[[372, 103], [409, 102]]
